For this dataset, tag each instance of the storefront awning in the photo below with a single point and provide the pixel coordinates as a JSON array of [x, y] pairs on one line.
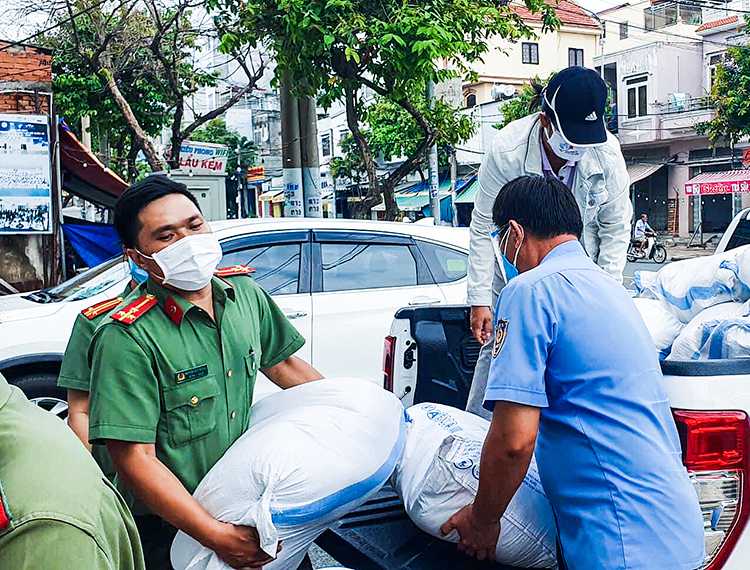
[[640, 170], [272, 196], [84, 175], [415, 197], [725, 182], [469, 193], [413, 202]]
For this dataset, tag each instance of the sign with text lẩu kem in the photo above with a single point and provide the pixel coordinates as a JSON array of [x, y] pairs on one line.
[[203, 157]]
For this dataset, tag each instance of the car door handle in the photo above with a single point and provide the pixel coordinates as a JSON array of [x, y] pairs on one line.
[[424, 301], [292, 315]]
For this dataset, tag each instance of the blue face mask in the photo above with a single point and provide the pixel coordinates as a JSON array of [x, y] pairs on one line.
[[139, 275], [507, 269]]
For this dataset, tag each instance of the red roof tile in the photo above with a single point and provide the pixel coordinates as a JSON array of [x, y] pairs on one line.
[[569, 13], [717, 23]]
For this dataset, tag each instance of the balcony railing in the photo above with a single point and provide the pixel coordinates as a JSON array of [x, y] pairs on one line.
[[685, 104]]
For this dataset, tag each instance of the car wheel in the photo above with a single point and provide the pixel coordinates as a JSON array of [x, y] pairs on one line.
[[41, 389]]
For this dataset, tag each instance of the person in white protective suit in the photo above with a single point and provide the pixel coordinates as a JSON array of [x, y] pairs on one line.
[[567, 139]]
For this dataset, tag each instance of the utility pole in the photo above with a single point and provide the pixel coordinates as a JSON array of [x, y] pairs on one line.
[[86, 131], [291, 152], [454, 168], [433, 166], [308, 128]]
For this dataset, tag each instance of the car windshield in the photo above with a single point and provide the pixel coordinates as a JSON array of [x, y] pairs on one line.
[[86, 284]]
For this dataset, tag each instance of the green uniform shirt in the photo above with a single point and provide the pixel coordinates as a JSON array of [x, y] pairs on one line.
[[75, 373], [176, 378], [62, 513]]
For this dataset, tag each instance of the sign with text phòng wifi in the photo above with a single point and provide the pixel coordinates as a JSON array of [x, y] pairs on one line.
[[203, 157]]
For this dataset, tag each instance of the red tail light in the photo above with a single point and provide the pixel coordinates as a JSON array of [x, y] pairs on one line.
[[389, 355], [715, 452]]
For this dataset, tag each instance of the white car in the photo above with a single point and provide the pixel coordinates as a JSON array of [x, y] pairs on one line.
[[339, 282]]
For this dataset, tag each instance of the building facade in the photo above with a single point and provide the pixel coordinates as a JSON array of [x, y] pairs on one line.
[[509, 65], [658, 60], [29, 261]]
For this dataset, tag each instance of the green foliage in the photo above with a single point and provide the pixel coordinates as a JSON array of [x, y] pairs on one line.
[[525, 103], [730, 97], [216, 131], [391, 132], [80, 90], [333, 49], [322, 44]]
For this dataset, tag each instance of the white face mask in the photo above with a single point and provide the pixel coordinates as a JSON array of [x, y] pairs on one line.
[[189, 263], [565, 150]]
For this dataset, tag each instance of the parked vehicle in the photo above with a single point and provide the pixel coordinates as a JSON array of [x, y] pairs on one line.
[[653, 250], [338, 281], [430, 356]]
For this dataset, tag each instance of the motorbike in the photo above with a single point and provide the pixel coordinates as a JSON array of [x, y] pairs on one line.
[[653, 250]]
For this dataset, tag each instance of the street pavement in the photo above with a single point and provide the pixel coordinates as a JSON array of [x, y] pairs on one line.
[[631, 268]]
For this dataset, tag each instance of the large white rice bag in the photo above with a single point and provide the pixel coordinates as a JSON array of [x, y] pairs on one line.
[[312, 454], [689, 286], [439, 474], [644, 283], [690, 342], [730, 339], [661, 324]]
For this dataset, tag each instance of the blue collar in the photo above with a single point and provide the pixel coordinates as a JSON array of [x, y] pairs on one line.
[[568, 248]]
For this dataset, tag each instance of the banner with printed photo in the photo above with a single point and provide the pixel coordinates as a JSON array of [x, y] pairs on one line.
[[25, 175]]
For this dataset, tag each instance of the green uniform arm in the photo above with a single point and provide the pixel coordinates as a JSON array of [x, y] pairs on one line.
[[48, 543]]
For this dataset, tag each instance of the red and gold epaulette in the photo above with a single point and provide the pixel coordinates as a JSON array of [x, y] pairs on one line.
[[100, 308], [135, 310], [234, 270], [4, 515]]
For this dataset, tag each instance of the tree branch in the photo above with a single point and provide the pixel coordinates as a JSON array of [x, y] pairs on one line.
[[152, 156]]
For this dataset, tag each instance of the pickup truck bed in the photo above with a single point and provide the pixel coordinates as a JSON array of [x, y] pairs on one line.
[[430, 357], [379, 535]]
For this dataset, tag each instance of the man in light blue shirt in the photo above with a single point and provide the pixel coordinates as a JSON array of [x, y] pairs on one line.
[[575, 376]]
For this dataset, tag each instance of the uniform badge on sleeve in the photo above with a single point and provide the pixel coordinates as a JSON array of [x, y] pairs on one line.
[[501, 331]]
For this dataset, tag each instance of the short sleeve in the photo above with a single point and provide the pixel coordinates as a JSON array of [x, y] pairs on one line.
[[524, 332], [278, 338], [49, 543], [74, 371], [124, 390]]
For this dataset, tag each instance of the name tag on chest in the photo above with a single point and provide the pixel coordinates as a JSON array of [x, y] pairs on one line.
[[192, 373]]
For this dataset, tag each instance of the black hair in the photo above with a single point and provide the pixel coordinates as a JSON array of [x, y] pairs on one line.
[[543, 205], [137, 197]]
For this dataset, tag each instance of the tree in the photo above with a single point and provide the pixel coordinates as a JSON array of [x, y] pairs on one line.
[[527, 101], [80, 92], [730, 97], [216, 131], [391, 133], [108, 39], [334, 48]]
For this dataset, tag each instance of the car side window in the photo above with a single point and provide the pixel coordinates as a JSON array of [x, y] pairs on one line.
[[277, 266], [354, 266], [741, 235], [447, 265]]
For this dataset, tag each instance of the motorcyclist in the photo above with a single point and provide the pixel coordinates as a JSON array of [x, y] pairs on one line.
[[641, 232]]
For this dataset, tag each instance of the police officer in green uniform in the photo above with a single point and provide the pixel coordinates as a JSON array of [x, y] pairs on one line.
[[75, 374], [56, 509], [174, 367]]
